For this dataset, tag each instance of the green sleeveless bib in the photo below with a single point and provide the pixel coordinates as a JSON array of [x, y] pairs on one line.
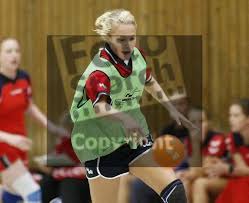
[[94, 137]]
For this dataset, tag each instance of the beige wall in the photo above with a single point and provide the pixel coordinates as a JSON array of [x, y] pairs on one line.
[[223, 24]]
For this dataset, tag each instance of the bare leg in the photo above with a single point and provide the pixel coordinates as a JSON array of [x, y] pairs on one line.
[[187, 186], [203, 187], [124, 188], [16, 176], [104, 190], [151, 173]]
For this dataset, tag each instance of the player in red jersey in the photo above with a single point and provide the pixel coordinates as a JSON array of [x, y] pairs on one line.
[[237, 164], [208, 143], [237, 189], [66, 180], [15, 101]]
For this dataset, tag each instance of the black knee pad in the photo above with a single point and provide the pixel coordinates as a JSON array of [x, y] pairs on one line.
[[174, 193]]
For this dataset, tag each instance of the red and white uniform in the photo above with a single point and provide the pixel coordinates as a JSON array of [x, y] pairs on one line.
[[14, 100], [235, 144], [237, 188], [215, 145]]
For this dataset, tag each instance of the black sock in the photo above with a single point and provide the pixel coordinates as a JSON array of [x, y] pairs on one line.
[[174, 193]]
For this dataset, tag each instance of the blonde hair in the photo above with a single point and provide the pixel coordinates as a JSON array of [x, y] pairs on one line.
[[105, 22]]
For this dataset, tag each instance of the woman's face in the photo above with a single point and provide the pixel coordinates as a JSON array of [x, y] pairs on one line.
[[237, 119], [122, 40], [10, 56]]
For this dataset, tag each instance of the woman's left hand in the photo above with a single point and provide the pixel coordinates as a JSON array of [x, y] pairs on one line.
[[182, 120]]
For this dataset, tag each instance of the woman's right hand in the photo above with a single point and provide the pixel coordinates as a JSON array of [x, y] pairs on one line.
[[20, 142], [134, 132]]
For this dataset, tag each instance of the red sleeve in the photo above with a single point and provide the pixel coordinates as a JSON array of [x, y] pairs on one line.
[[148, 75], [97, 85], [216, 146], [23, 75], [29, 89]]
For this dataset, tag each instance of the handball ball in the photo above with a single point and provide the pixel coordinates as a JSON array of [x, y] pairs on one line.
[[168, 151]]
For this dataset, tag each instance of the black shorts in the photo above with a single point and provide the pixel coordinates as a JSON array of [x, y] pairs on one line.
[[116, 163]]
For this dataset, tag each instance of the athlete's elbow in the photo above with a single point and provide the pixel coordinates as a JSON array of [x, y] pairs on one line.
[[101, 108]]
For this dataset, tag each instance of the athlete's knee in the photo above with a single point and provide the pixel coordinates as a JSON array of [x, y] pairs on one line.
[[174, 193], [27, 188], [34, 197], [8, 197]]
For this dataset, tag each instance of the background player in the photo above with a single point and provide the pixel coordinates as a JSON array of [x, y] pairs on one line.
[[237, 163], [15, 101]]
